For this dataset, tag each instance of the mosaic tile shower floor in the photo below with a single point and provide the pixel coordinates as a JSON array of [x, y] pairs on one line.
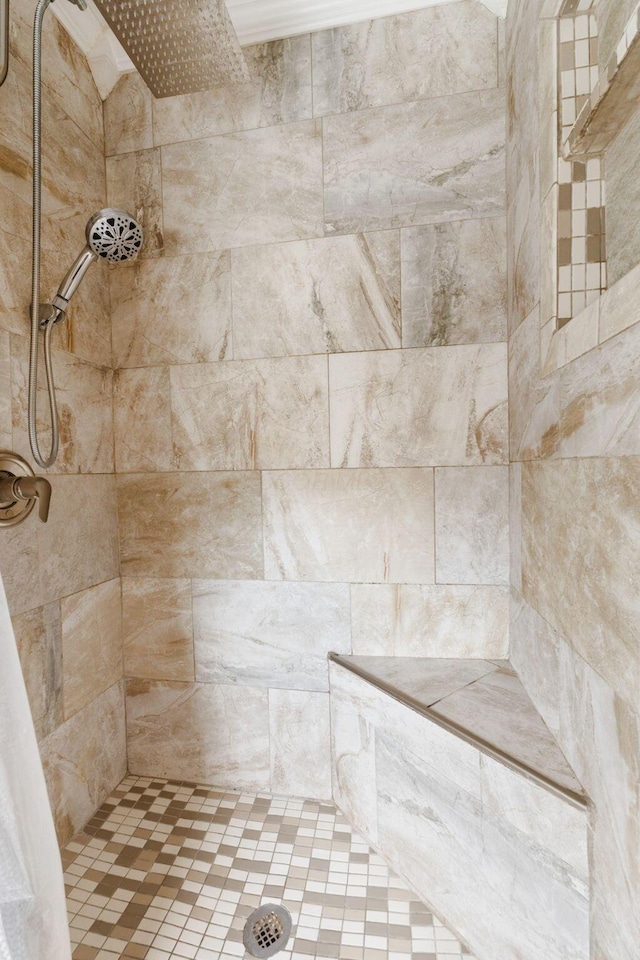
[[170, 870]]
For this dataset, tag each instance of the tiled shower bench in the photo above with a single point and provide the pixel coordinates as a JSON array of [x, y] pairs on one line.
[[446, 767]]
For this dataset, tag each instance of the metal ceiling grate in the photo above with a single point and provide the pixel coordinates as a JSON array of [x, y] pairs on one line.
[[178, 46]]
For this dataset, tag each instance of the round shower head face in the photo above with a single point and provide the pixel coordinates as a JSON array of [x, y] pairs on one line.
[[114, 235]]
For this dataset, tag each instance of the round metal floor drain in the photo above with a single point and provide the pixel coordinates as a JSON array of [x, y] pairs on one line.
[[267, 930]]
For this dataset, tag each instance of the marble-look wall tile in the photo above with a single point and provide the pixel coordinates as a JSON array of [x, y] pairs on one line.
[[134, 184], [78, 546], [349, 525], [299, 733], [523, 260], [404, 620], [454, 283], [425, 53], [534, 400], [269, 634], [251, 414], [127, 116], [573, 512], [39, 640], [142, 420], [317, 296], [68, 79], [424, 162], [279, 92], [353, 762], [262, 186], [424, 407], [600, 400], [6, 434], [190, 525], [85, 410], [515, 525], [91, 644], [84, 759], [536, 813], [472, 525], [20, 568], [158, 629], [172, 310], [475, 869], [600, 735], [451, 759], [235, 751]]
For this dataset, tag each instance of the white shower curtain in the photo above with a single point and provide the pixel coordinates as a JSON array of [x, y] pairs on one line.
[[33, 919]]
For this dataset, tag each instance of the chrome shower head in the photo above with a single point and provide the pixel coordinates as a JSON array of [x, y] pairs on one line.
[[112, 235]]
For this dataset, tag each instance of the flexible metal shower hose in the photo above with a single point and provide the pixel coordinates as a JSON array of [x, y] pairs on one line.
[[35, 266]]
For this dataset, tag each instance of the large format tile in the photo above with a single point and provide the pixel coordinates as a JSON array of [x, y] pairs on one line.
[[424, 162], [299, 729], [39, 640], [251, 414], [257, 187], [84, 395], [172, 310], [600, 400], [142, 420], [439, 406], [78, 546], [534, 400], [317, 296], [442, 620], [190, 525], [269, 634], [5, 391], [204, 732], [472, 525], [581, 528], [497, 709], [279, 92], [425, 53], [127, 116], [91, 644], [354, 766], [427, 680], [134, 184], [349, 525], [158, 628], [454, 283], [84, 759], [508, 896]]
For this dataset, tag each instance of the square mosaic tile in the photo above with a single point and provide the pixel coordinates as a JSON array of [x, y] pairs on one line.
[[172, 870]]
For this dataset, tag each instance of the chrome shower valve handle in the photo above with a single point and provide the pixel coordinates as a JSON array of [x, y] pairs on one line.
[[20, 490]]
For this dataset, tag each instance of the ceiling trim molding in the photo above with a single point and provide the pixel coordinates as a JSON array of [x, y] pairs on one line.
[[255, 21]]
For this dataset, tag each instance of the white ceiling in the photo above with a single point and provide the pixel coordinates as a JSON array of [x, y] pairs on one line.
[[254, 20]]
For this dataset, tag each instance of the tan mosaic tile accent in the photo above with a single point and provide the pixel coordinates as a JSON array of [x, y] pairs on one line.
[[582, 268], [172, 870]]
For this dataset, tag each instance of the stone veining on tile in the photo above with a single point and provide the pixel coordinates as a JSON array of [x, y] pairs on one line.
[[454, 283], [251, 414], [317, 296], [422, 54], [158, 628], [422, 407], [349, 525], [428, 161], [269, 634]]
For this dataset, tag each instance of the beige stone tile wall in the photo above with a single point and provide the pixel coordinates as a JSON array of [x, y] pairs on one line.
[[62, 578], [575, 533], [317, 323]]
